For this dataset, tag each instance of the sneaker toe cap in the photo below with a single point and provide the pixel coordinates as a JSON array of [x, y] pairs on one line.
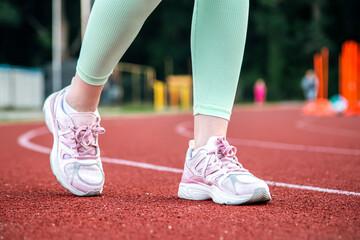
[[243, 184], [92, 175], [89, 174]]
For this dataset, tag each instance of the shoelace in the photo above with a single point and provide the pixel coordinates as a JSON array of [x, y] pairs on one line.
[[84, 138], [226, 154]]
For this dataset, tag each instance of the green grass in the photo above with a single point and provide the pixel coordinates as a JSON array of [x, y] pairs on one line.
[[26, 114], [124, 109], [136, 109]]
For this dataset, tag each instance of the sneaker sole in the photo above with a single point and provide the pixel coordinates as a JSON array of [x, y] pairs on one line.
[[199, 192], [50, 123]]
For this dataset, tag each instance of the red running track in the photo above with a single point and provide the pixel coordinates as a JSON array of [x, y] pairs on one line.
[[277, 144]]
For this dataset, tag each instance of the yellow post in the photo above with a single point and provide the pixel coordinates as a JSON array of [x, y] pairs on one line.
[[159, 95], [179, 90], [173, 95], [185, 96]]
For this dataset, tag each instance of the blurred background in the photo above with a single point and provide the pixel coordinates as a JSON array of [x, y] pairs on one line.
[[282, 38]]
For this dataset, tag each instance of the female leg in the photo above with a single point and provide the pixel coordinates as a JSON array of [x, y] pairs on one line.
[[71, 114], [212, 170], [218, 37]]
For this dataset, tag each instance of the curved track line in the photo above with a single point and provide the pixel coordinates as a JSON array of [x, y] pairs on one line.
[[25, 141], [309, 127], [141, 165], [182, 129]]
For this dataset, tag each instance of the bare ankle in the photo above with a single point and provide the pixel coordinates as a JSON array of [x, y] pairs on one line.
[[77, 104], [82, 96], [208, 126]]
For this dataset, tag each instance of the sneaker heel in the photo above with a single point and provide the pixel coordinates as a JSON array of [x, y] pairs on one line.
[[47, 115]]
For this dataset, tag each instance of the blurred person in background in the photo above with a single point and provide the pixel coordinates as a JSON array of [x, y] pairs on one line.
[[259, 92], [310, 85], [211, 170]]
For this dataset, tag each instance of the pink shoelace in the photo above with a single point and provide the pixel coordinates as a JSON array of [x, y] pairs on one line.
[[227, 156], [84, 140]]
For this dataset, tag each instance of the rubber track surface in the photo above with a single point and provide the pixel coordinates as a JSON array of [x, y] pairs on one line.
[[140, 203]]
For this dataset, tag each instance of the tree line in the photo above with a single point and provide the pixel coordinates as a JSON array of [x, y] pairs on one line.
[[282, 38]]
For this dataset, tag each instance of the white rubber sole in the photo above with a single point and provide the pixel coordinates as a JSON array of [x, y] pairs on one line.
[[50, 123], [193, 191]]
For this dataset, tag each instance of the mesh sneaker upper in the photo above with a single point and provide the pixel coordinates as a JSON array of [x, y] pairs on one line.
[[216, 164], [78, 150]]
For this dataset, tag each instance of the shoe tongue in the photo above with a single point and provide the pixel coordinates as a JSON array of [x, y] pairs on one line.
[[213, 142], [83, 119]]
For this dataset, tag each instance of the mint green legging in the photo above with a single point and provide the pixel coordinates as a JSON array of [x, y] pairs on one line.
[[217, 45]]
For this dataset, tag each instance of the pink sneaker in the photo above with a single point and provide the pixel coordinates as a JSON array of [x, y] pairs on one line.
[[213, 172], [75, 156]]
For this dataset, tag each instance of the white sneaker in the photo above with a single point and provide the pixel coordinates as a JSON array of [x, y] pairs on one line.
[[75, 156], [213, 172]]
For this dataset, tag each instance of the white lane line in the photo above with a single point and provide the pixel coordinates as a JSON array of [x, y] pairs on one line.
[[141, 165], [25, 141], [310, 188], [310, 127], [183, 130]]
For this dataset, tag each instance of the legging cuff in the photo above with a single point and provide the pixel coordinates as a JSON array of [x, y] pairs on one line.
[[212, 111], [95, 81]]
